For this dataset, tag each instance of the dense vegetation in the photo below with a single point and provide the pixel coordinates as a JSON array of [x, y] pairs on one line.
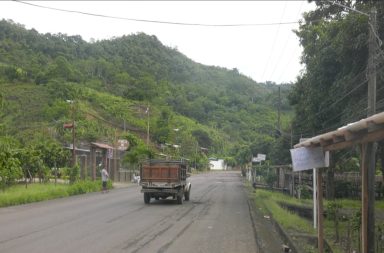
[[112, 83], [19, 194], [332, 91]]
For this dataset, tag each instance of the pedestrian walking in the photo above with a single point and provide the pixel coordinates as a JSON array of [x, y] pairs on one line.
[[104, 179]]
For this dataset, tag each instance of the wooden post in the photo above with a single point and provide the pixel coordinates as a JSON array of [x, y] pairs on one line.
[[147, 125], [85, 170], [314, 186], [93, 162], [370, 148], [320, 225], [364, 197]]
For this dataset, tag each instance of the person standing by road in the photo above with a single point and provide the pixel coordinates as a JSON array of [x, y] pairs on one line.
[[104, 179]]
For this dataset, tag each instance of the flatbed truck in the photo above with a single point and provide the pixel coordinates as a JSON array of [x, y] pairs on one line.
[[163, 179]]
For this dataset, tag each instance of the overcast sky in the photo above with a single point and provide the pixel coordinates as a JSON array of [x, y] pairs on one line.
[[262, 52]]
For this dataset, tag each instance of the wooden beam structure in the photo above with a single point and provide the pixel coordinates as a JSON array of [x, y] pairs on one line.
[[362, 133], [366, 130], [104, 148]]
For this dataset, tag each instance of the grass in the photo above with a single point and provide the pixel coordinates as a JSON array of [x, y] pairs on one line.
[[18, 194], [290, 221], [293, 223]]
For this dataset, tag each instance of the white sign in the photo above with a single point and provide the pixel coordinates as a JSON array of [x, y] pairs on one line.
[[261, 157], [110, 153], [307, 158], [256, 160]]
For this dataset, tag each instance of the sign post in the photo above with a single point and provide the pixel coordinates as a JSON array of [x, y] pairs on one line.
[[314, 176], [258, 159], [311, 158]]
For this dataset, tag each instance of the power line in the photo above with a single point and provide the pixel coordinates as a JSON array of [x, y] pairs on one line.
[[274, 42], [349, 8], [342, 98], [155, 21], [285, 44], [357, 114]]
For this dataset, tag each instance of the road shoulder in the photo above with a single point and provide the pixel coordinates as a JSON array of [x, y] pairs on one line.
[[270, 237]]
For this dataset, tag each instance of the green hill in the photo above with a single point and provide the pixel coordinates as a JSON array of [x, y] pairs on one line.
[[114, 81]]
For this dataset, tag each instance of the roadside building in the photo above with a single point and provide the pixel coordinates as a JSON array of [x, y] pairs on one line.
[[217, 164]]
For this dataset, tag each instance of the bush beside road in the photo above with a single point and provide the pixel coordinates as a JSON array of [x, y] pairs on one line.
[[20, 194]]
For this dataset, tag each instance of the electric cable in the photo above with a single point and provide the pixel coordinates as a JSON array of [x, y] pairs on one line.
[[154, 21], [274, 42], [285, 45]]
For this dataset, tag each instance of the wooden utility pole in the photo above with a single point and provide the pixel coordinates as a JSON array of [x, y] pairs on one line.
[[115, 157], [369, 149], [148, 125], [314, 183], [320, 226], [372, 63], [72, 102], [73, 141], [278, 112]]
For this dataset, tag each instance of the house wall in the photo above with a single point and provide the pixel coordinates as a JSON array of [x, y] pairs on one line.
[[217, 165]]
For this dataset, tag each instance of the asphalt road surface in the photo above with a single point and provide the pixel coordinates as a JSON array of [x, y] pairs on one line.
[[215, 220]]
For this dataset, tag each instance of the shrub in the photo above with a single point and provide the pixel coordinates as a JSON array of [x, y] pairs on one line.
[[18, 194]]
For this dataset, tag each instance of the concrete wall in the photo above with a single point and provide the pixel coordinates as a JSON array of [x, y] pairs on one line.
[[217, 165]]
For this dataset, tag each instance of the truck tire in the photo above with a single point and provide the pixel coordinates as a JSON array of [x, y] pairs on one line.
[[179, 199], [147, 198], [186, 194]]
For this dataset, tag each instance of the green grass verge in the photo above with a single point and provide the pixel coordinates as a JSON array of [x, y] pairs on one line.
[[269, 202], [18, 194]]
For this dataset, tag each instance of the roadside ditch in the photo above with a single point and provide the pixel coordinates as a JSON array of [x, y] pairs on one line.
[[272, 237]]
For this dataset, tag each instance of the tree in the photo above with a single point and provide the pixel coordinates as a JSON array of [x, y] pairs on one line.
[[328, 92], [31, 162], [136, 154], [64, 70], [202, 138], [230, 161], [243, 155], [137, 150], [10, 167], [162, 131], [332, 90]]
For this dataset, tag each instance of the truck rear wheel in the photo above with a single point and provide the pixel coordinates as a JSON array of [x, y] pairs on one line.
[[179, 199], [147, 198], [186, 194]]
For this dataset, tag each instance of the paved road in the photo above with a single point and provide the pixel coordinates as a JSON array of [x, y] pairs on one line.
[[215, 220]]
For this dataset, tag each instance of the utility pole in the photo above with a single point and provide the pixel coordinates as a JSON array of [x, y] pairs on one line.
[[369, 149], [72, 102], [278, 112], [73, 144], [372, 54], [148, 125], [73, 137]]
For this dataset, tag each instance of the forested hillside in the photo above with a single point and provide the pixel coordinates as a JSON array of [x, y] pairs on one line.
[[113, 82]]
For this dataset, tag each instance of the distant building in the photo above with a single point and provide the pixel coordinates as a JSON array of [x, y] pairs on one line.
[[217, 164]]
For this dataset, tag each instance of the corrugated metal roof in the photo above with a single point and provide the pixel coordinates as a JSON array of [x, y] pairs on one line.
[[366, 130], [101, 145]]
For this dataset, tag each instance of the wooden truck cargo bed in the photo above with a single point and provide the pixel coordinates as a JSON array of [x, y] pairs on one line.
[[163, 179], [165, 173]]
